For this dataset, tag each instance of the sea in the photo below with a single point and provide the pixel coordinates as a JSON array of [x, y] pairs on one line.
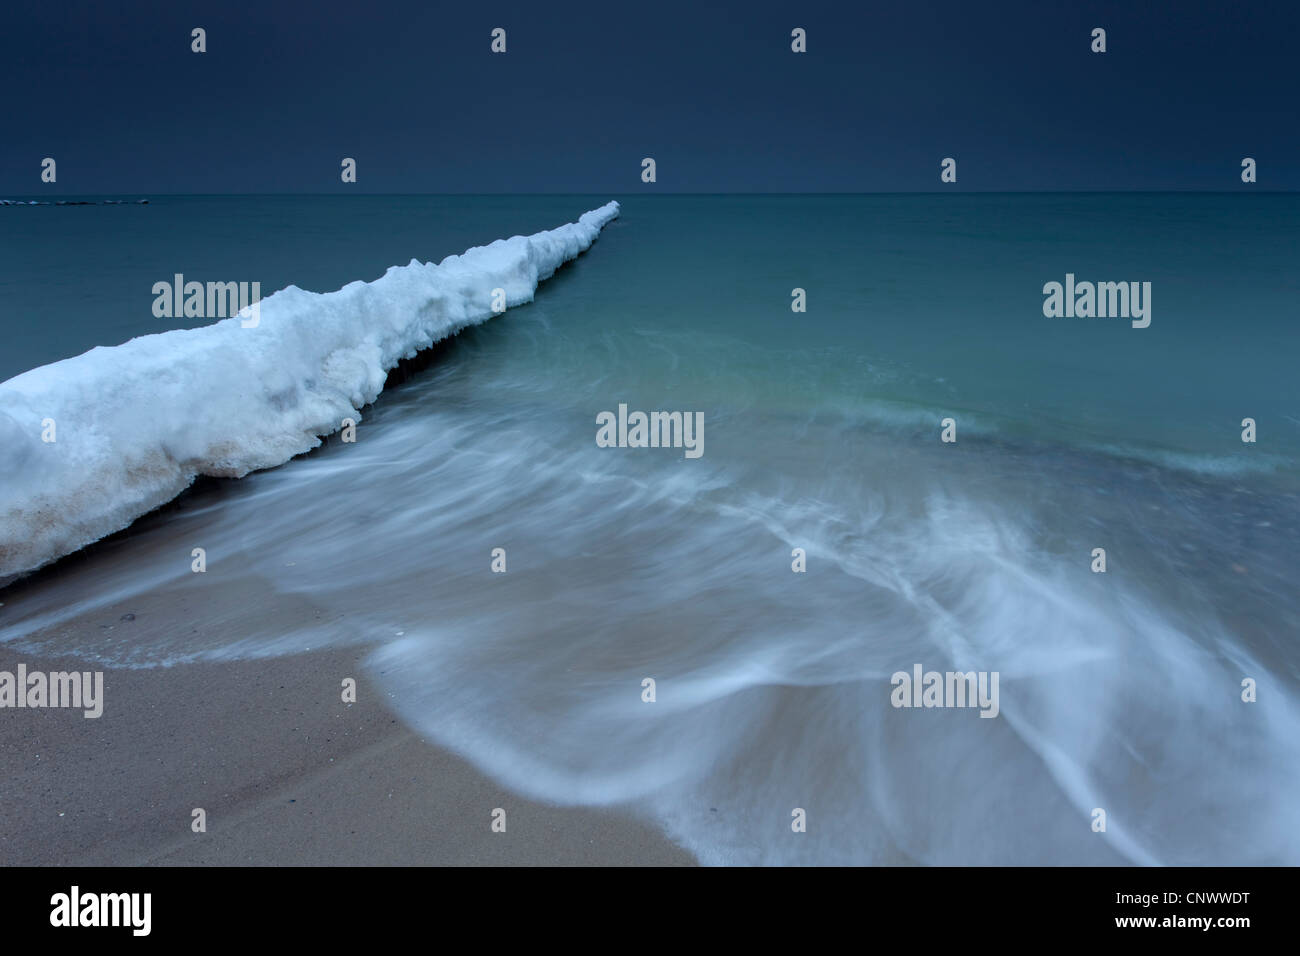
[[904, 462]]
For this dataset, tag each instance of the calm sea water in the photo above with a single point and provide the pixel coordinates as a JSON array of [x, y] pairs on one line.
[[918, 302], [1118, 690]]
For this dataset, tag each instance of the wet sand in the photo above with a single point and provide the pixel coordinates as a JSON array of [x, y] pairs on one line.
[[287, 773]]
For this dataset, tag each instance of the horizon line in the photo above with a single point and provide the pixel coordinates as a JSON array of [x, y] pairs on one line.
[[650, 193]]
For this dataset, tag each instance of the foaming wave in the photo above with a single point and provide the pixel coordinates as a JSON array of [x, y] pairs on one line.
[[1118, 691]]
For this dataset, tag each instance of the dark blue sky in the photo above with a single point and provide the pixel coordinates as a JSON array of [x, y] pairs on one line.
[[586, 89]]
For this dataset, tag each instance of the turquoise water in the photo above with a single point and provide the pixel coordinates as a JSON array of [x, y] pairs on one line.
[[1119, 690], [917, 304]]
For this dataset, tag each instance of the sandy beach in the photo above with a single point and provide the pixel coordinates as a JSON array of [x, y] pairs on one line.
[[286, 772]]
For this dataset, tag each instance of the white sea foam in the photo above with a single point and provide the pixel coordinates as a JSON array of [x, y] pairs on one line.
[[137, 423], [1119, 691]]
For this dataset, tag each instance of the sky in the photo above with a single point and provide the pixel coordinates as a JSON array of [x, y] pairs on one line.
[[586, 90]]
